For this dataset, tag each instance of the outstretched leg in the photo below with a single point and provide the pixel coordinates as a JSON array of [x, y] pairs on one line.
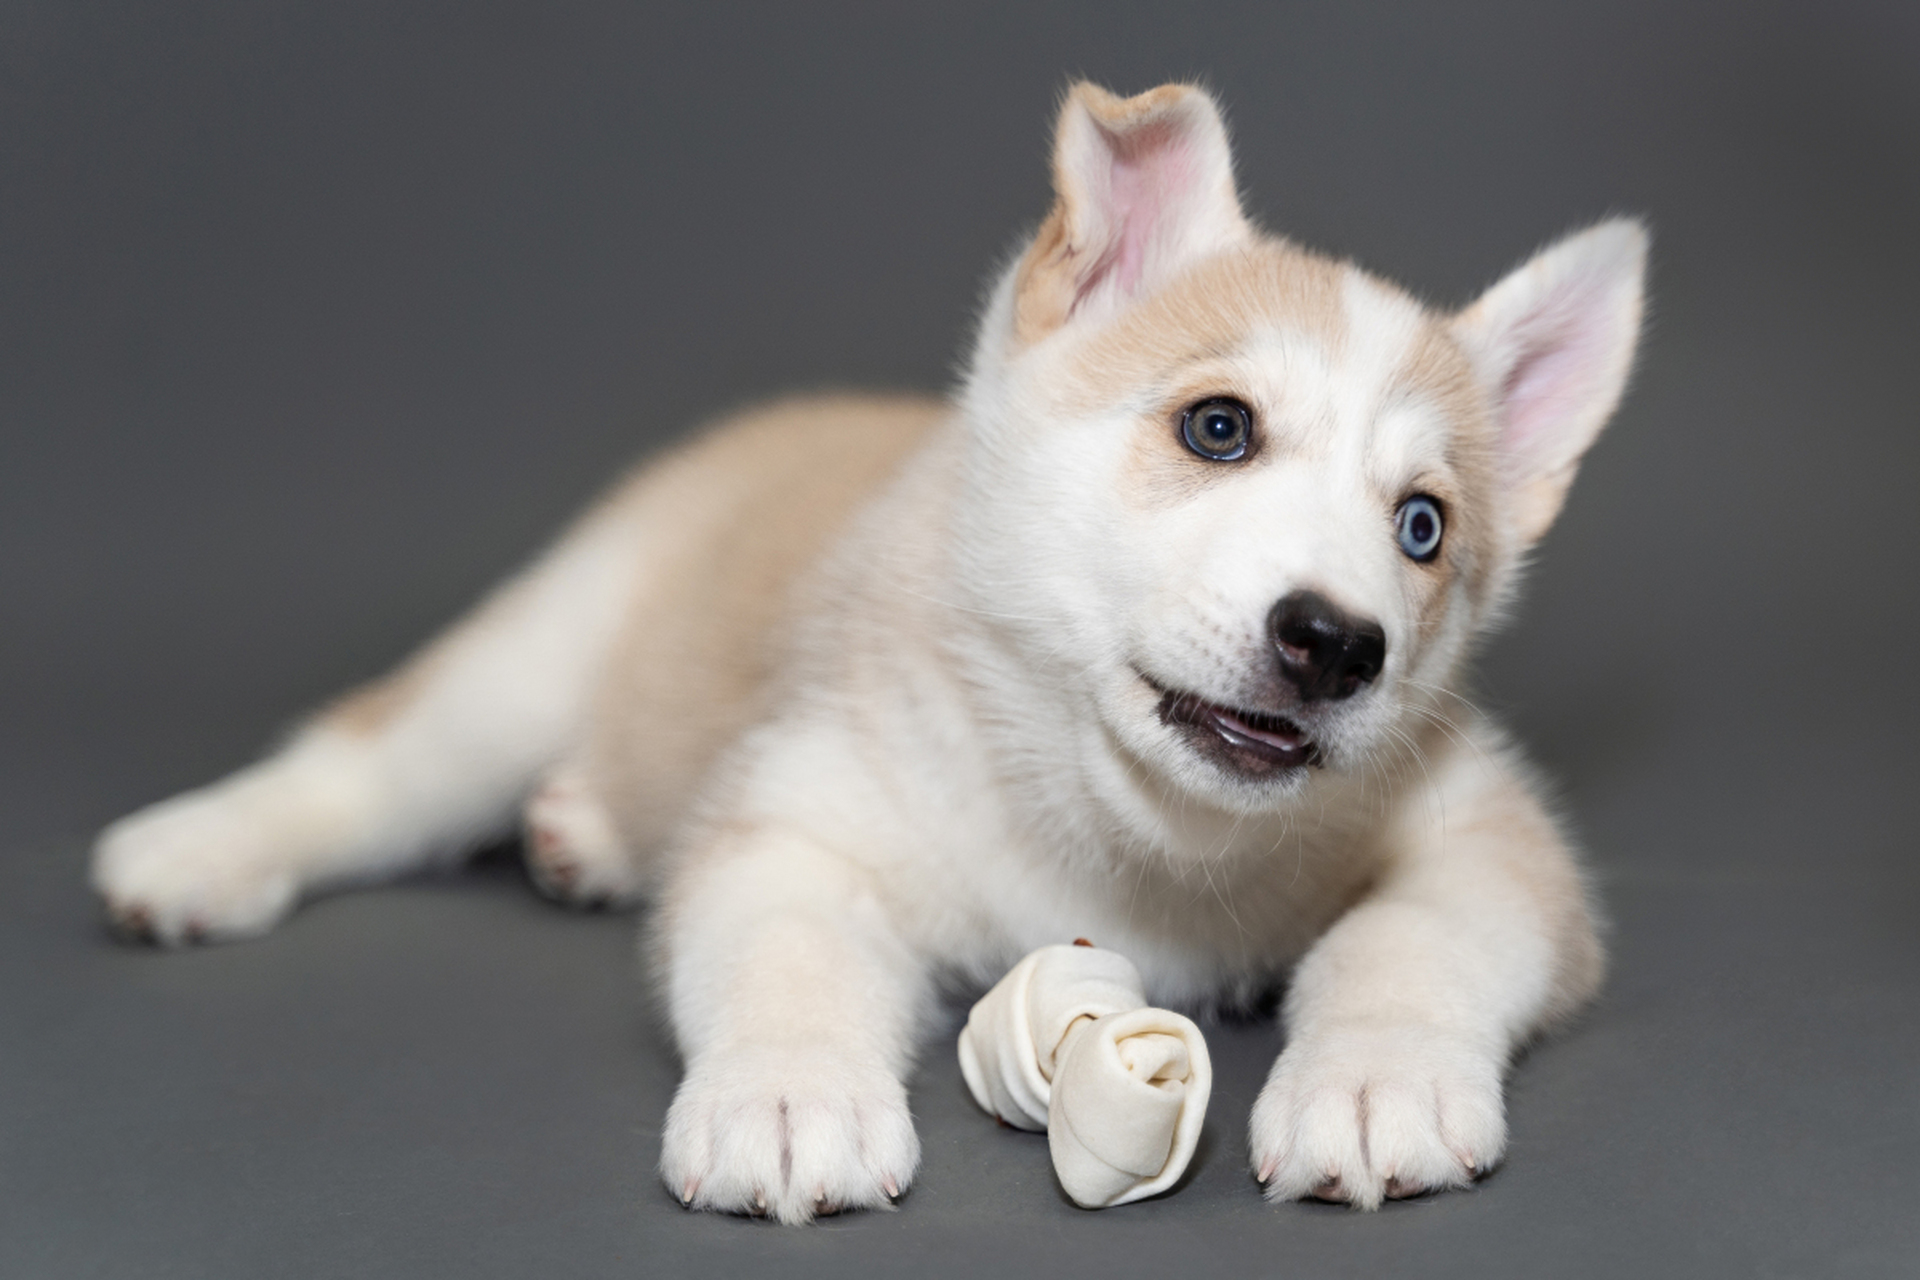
[[421, 764], [795, 1001]]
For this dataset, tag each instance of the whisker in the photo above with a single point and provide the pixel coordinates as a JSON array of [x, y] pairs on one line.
[[1457, 696], [1459, 735], [1420, 758]]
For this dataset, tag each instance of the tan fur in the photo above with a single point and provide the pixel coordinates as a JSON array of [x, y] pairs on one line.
[[732, 517], [1069, 246], [1492, 814], [366, 710], [1047, 276], [1208, 312], [735, 518], [372, 707]]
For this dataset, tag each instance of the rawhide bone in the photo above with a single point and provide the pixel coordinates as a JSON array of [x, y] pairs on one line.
[[1066, 1043]]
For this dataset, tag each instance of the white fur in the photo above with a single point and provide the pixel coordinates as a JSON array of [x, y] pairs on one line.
[[574, 849], [961, 760], [496, 701]]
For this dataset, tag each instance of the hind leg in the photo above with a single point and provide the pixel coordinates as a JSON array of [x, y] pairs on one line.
[[574, 853], [417, 767]]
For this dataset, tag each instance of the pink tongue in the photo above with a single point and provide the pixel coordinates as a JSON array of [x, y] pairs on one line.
[[1284, 741]]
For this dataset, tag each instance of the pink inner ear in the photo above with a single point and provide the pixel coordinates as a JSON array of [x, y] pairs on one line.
[[1152, 170], [1563, 363]]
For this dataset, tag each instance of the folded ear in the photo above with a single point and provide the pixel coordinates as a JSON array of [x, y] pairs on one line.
[[1554, 343], [1143, 186]]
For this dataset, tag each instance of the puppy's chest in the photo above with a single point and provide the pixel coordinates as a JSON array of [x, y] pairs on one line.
[[1193, 926]]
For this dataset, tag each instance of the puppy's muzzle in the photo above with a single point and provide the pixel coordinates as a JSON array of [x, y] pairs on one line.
[[1325, 653]]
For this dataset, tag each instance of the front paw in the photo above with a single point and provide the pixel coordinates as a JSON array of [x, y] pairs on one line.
[[788, 1134], [1363, 1114]]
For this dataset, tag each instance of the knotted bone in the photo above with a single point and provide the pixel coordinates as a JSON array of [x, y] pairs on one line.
[[1066, 1043]]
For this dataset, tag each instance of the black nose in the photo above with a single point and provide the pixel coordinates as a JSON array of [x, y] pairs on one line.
[[1324, 651]]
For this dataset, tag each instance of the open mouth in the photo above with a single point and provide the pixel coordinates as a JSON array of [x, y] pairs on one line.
[[1258, 743]]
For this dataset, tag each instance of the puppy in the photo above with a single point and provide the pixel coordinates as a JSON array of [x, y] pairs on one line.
[[1150, 634]]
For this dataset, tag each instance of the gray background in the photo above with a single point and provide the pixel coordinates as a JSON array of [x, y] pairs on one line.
[[315, 319]]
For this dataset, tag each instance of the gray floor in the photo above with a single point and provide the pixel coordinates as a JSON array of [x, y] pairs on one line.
[[314, 321]]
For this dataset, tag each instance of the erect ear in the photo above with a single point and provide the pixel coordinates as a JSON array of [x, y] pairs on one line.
[[1554, 343], [1143, 186]]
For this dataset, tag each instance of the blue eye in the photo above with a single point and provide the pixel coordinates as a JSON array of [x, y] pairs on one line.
[[1418, 525]]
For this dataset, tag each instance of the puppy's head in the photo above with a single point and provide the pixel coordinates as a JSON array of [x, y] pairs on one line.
[[1245, 507]]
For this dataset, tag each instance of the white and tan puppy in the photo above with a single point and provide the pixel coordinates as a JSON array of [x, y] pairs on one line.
[[1148, 635]]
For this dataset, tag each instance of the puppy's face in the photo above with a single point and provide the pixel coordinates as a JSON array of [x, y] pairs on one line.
[[1288, 521], [1262, 501]]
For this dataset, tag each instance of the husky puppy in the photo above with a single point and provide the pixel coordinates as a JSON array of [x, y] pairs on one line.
[[1149, 635]]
